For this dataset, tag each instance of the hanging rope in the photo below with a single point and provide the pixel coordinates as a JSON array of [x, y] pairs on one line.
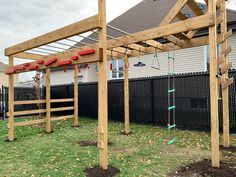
[[155, 58], [171, 94]]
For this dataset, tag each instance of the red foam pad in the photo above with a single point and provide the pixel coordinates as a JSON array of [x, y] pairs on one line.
[[66, 62], [33, 67], [51, 61], [19, 67], [87, 52], [26, 64], [40, 62], [74, 58], [10, 71]]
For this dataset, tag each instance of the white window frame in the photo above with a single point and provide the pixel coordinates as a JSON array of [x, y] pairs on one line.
[[116, 68], [206, 55]]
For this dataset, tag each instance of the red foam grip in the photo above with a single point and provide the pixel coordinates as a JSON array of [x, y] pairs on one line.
[[74, 58], [10, 71], [33, 67], [111, 66], [87, 52], [26, 64], [19, 67], [51, 61], [40, 62], [66, 62]]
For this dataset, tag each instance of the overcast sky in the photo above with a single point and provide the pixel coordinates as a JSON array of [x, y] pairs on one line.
[[21, 20]]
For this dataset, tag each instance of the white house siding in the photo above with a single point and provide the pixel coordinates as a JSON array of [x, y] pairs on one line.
[[186, 60], [232, 43]]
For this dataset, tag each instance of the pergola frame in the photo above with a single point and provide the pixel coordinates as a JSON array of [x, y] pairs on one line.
[[179, 35]]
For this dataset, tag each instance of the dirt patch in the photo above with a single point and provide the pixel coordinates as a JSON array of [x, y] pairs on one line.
[[127, 134], [91, 143], [203, 168], [98, 172], [230, 149]]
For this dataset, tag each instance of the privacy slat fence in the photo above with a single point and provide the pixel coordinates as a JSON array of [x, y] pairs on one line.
[[148, 100]]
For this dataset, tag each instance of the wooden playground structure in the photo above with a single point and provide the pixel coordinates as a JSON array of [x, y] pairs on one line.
[[179, 31]]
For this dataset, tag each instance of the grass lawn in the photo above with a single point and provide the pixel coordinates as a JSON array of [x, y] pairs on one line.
[[143, 153]]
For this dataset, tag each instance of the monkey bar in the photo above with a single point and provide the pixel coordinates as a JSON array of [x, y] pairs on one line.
[[178, 32]]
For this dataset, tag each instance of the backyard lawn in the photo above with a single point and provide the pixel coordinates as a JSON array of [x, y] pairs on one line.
[[143, 153]]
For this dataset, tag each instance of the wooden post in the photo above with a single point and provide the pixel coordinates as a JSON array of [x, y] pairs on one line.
[[214, 88], [102, 87], [76, 96], [225, 92], [11, 102], [126, 94], [48, 99]]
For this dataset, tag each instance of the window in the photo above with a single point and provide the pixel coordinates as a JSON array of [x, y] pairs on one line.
[[117, 71], [207, 56]]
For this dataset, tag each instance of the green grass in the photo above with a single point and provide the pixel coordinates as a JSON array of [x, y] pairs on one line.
[[143, 153]]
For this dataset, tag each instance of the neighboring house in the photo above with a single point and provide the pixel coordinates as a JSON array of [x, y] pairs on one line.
[[4, 77], [148, 14]]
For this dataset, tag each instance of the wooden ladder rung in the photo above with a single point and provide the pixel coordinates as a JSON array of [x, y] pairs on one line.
[[225, 68], [226, 51], [100, 144], [227, 82]]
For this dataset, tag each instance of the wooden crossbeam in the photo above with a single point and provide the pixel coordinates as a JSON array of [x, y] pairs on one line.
[[175, 40], [20, 113], [155, 44], [29, 56], [182, 36], [83, 26], [62, 109], [161, 31], [29, 102], [181, 16], [62, 118], [173, 12], [191, 34], [194, 7]]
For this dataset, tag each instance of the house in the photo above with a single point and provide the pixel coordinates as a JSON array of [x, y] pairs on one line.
[[148, 14], [4, 77]]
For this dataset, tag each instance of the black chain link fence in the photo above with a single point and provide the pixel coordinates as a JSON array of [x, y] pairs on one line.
[[148, 100]]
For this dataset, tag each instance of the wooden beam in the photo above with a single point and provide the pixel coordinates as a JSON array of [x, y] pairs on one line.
[[11, 103], [29, 56], [162, 31], [126, 94], [181, 16], [48, 104], [182, 36], [225, 90], [227, 83], [29, 102], [102, 87], [62, 118], [214, 89], [194, 7], [175, 40], [83, 26], [76, 110], [173, 12], [62, 100], [226, 67], [28, 112], [30, 122], [155, 44], [62, 109]]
